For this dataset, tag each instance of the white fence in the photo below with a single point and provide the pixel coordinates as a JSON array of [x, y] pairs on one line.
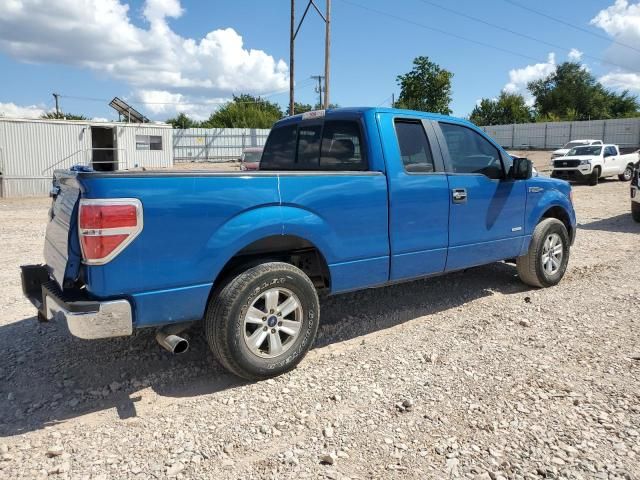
[[623, 131], [215, 144]]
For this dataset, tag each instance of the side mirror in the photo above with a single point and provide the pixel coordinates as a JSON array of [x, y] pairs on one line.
[[522, 168]]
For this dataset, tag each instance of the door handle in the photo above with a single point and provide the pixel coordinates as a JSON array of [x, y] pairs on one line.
[[459, 195]]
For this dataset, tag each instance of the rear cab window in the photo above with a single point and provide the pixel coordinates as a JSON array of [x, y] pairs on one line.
[[329, 145], [413, 143]]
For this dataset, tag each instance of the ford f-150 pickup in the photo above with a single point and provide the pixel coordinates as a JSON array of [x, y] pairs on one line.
[[347, 199]]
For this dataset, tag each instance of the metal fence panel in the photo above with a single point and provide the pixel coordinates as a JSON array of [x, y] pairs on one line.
[[558, 134], [215, 144], [624, 132], [529, 135]]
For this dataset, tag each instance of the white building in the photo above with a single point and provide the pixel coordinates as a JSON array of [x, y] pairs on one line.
[[30, 150]]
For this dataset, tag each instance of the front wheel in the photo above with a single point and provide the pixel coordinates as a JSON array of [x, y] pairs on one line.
[[626, 175], [546, 261], [263, 321], [594, 177]]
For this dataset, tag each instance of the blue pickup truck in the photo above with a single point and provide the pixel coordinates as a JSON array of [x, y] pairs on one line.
[[347, 199]]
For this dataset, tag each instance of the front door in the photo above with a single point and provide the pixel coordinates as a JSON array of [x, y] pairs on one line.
[[418, 197], [486, 221]]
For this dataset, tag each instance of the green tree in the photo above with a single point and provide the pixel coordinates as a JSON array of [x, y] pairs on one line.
[[427, 87], [307, 107], [507, 108], [245, 111], [301, 107], [62, 116], [182, 121], [573, 93]]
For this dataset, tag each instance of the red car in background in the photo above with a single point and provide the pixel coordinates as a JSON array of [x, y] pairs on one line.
[[250, 158]]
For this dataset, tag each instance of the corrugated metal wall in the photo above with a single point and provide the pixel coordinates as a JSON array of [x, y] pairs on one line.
[[624, 132], [31, 150], [215, 144], [130, 157]]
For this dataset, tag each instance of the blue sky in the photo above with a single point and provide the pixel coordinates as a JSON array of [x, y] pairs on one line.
[[147, 51]]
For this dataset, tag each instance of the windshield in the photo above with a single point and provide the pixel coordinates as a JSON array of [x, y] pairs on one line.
[[592, 150], [574, 144], [251, 156]]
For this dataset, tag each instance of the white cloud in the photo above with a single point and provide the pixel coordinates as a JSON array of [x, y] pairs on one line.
[[621, 81], [12, 110], [621, 21], [520, 77], [99, 35], [575, 55], [167, 104]]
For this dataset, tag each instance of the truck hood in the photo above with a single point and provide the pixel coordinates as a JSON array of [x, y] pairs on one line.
[[560, 151]]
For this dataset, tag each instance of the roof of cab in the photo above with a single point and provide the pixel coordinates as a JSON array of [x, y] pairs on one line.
[[337, 113]]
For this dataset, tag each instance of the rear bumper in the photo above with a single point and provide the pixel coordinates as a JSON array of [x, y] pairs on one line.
[[85, 318]]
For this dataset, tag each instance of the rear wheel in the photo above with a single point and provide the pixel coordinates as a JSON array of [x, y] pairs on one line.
[[626, 175], [546, 261], [594, 177], [263, 321]]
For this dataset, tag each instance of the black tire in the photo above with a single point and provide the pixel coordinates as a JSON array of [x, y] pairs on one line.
[[225, 327], [594, 177], [530, 268], [635, 211], [628, 173]]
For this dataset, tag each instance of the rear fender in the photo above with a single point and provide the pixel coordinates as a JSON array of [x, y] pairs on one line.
[[257, 224]]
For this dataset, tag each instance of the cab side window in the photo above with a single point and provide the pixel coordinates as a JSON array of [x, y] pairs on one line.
[[470, 152], [414, 147]]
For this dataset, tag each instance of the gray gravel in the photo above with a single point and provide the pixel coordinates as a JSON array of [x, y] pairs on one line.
[[470, 375]]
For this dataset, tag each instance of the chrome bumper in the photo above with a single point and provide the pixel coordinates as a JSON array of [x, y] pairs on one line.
[[85, 318]]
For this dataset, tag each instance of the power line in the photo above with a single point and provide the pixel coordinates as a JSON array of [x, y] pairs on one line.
[[261, 98], [461, 37], [569, 24], [520, 34], [439, 30]]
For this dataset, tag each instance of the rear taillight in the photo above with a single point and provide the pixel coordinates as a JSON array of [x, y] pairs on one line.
[[107, 226]]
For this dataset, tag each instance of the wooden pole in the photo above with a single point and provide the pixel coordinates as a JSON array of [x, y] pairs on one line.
[[291, 58], [327, 53]]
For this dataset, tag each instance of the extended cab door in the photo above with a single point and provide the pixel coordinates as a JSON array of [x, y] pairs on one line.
[[418, 196], [487, 209], [612, 164]]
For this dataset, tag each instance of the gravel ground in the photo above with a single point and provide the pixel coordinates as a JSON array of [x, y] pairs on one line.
[[469, 375]]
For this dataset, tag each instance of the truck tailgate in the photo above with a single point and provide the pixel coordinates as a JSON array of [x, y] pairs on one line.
[[61, 249]]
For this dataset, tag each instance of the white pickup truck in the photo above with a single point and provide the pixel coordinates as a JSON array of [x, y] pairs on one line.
[[594, 162]]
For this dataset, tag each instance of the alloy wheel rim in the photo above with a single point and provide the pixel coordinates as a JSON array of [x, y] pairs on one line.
[[272, 322], [552, 253], [627, 173]]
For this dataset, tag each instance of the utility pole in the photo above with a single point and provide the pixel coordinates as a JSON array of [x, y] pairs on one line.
[[291, 57], [327, 54], [56, 95], [319, 78], [327, 46]]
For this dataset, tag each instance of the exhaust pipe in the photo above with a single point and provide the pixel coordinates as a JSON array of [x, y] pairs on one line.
[[172, 343]]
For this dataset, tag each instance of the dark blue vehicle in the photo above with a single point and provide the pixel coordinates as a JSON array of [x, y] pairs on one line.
[[344, 200]]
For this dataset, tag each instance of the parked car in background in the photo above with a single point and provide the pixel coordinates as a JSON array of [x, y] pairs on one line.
[[347, 199], [635, 191], [594, 162], [561, 152], [250, 158]]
